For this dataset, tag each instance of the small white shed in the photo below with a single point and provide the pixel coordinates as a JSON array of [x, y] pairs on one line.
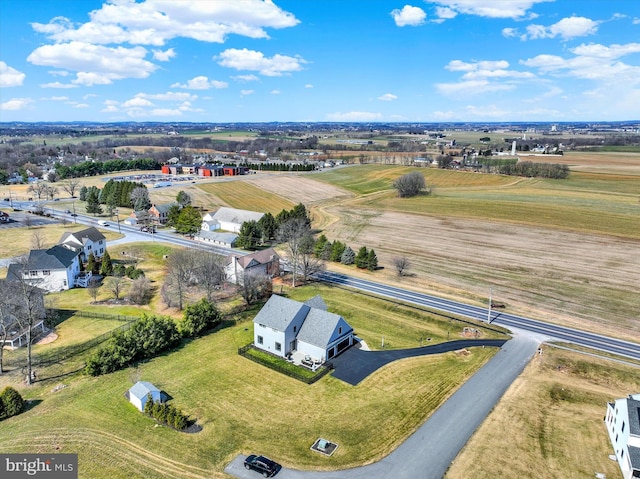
[[138, 394]]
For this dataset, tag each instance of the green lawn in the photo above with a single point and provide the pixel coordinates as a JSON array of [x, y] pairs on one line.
[[244, 407]]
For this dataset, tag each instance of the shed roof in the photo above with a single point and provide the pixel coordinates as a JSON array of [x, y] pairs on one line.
[[142, 388]]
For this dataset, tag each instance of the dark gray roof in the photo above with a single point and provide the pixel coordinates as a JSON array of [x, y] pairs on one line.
[[54, 258], [316, 302], [319, 327], [633, 408], [82, 236], [278, 312]]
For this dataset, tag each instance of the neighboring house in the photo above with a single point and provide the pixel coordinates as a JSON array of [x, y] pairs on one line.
[[160, 213], [284, 327], [137, 218], [53, 269], [139, 394], [222, 239], [14, 306], [623, 425], [266, 262], [86, 241], [228, 219]]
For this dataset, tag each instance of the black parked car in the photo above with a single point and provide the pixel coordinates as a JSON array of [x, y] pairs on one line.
[[263, 465]]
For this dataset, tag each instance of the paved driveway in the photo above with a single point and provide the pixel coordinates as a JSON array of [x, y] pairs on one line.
[[428, 452], [355, 364]]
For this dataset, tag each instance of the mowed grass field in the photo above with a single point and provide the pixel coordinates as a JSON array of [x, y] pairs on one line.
[[241, 406], [550, 422]]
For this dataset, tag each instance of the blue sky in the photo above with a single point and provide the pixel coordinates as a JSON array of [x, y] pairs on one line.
[[320, 60]]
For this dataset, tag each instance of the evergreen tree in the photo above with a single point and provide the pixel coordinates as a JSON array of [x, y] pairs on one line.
[[372, 261], [106, 269], [91, 264], [348, 256], [362, 257]]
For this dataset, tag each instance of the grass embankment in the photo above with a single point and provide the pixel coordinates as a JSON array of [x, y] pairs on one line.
[[242, 406], [550, 422]]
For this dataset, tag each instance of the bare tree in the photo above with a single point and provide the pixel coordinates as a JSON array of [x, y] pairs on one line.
[[37, 241], [39, 189], [93, 288], [402, 264], [116, 285], [255, 286], [139, 290], [27, 301], [308, 263], [210, 272], [293, 233], [181, 273], [71, 186]]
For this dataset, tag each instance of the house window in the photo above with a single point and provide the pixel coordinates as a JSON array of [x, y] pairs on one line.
[[278, 347], [46, 272], [260, 340]]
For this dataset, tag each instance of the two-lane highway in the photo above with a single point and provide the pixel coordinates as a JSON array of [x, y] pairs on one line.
[[598, 342]]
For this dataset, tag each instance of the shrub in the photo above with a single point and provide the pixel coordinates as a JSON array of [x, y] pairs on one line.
[[11, 403]]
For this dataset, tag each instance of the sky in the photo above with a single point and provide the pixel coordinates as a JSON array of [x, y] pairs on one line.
[[319, 60]]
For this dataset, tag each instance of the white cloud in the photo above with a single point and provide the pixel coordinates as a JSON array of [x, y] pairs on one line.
[[446, 13], [471, 87], [168, 96], [247, 92], [10, 76], [137, 102], [164, 56], [409, 15], [487, 8], [246, 78], [275, 92], [592, 62], [154, 22], [567, 28], [57, 84], [16, 104], [354, 116], [388, 97], [201, 83], [245, 59], [94, 64]]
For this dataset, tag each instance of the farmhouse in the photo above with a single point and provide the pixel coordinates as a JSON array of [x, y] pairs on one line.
[[285, 327], [53, 269], [623, 425], [265, 262], [139, 394], [228, 219], [85, 242]]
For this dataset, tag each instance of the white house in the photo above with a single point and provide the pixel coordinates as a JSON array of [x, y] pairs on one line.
[[284, 326], [266, 262], [139, 394], [228, 219], [53, 269], [85, 241], [623, 425]]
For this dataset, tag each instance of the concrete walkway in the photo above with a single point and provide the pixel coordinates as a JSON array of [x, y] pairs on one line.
[[428, 452]]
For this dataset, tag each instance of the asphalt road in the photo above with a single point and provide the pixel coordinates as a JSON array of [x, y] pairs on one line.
[[553, 332], [428, 452]]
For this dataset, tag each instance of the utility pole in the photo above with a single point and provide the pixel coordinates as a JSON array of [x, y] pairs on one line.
[[489, 310]]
